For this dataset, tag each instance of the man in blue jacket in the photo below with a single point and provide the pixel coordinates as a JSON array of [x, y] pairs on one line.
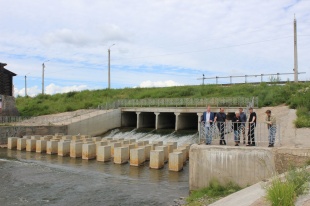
[[208, 119]]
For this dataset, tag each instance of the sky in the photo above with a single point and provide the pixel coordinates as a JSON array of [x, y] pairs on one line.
[[153, 43]]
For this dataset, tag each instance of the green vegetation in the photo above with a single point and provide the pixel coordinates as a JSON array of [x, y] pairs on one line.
[[212, 193], [284, 192], [295, 95]]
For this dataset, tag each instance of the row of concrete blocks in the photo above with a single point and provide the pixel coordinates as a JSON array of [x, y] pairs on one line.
[[103, 149]]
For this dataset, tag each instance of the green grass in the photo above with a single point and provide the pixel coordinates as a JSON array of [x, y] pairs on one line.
[[211, 193], [297, 96], [284, 192]]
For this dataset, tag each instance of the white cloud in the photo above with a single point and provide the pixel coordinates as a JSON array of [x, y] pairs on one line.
[[31, 91], [168, 83], [53, 89]]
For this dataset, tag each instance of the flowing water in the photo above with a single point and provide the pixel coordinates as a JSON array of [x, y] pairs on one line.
[[29, 178]]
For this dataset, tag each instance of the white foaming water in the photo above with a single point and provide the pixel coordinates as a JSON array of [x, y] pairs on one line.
[[133, 134]]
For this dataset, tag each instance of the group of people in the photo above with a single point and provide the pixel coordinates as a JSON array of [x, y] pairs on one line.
[[239, 123]]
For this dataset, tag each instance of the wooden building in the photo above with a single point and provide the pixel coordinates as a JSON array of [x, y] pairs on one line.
[[6, 81]]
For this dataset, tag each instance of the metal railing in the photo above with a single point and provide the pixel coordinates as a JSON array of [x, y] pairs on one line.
[[184, 102], [259, 134]]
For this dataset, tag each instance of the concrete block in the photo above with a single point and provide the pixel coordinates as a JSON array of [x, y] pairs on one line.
[[59, 134], [76, 137], [113, 145], [109, 138], [12, 142], [41, 146], [47, 138], [137, 156], [98, 144], [21, 144], [104, 153], [152, 146], [132, 141], [36, 137], [121, 155], [64, 148], [30, 145], [130, 146], [96, 139], [159, 143], [187, 147], [66, 137], [138, 144], [26, 137], [147, 149], [125, 142], [157, 159], [173, 143], [89, 151], [176, 161], [166, 152], [76, 149], [243, 166], [113, 140], [144, 142], [183, 152], [171, 147], [52, 147]]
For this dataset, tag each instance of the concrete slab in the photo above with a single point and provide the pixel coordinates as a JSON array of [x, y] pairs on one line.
[[41, 146], [157, 159], [121, 155], [137, 156], [76, 149], [176, 161], [89, 151], [21, 144]]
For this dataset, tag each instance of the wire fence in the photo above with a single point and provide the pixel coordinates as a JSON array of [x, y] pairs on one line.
[[246, 133], [183, 102]]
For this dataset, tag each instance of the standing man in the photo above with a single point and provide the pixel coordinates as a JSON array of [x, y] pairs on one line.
[[208, 119], [243, 119], [220, 118], [237, 127], [272, 127], [252, 125]]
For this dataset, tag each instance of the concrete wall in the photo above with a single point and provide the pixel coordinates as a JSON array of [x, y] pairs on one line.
[[8, 106], [241, 165], [165, 121], [19, 131], [96, 125], [187, 121], [146, 120]]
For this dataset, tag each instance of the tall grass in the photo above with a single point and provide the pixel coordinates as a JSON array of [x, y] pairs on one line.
[[295, 95], [284, 192]]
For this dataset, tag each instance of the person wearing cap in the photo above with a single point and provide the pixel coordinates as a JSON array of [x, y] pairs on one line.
[[272, 127], [208, 118], [252, 125]]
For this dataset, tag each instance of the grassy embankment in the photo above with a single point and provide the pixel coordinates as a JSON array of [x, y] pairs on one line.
[[295, 95]]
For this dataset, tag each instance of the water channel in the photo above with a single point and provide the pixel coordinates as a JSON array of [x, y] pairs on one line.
[[29, 178]]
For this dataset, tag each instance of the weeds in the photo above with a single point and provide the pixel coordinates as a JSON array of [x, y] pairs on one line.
[[284, 192]]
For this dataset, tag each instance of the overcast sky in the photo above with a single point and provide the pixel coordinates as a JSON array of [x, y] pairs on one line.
[[157, 42]]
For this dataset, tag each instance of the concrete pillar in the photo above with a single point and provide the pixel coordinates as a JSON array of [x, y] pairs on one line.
[[12, 142], [173, 143], [130, 147], [52, 147], [104, 153], [113, 145], [171, 147], [76, 149], [147, 149], [21, 144], [30, 145], [41, 146], [137, 156], [176, 120], [157, 159], [121, 155], [132, 141], [138, 144], [176, 161], [98, 144], [138, 119], [88, 151], [156, 120], [166, 152], [183, 152], [159, 143], [64, 148], [187, 147]]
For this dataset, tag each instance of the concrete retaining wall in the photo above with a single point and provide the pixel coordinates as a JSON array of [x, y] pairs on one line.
[[241, 165], [19, 131], [8, 106], [96, 125]]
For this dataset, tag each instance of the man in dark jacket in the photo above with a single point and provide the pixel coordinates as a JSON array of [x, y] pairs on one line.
[[220, 118]]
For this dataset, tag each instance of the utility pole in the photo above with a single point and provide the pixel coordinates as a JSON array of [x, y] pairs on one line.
[[295, 52], [25, 86], [43, 66], [109, 77], [203, 79]]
